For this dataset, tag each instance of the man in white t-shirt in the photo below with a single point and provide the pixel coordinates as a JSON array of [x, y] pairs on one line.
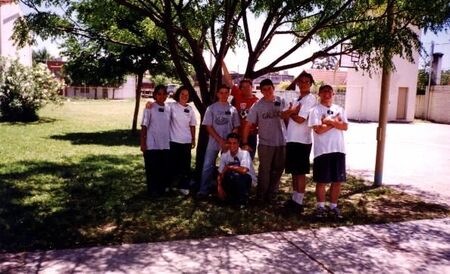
[[299, 141], [328, 122], [155, 142], [236, 172]]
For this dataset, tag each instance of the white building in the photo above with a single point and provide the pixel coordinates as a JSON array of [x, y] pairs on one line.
[[9, 12], [362, 101], [126, 91]]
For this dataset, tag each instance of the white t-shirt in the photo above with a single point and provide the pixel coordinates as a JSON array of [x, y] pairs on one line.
[[301, 133], [181, 120], [243, 159], [332, 140], [157, 121]]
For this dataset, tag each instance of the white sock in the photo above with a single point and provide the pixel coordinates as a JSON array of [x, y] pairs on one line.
[[297, 197], [300, 198], [321, 204], [332, 206]]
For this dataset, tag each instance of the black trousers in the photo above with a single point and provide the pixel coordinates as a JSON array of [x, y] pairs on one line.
[[237, 187], [156, 171], [180, 159]]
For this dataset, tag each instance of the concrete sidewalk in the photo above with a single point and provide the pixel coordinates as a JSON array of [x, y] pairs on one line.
[[409, 247]]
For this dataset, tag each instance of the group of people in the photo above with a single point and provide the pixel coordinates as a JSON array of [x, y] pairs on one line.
[[283, 134]]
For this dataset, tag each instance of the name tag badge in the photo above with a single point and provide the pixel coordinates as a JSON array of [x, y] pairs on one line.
[[228, 112], [186, 110], [160, 109]]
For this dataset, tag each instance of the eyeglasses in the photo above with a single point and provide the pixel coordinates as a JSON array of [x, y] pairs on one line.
[[330, 112]]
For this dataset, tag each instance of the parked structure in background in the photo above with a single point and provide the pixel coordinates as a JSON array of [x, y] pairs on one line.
[[125, 91], [362, 100], [276, 78], [434, 105], [9, 12]]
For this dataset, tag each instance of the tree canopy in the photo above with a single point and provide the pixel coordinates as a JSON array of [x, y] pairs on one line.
[[186, 29]]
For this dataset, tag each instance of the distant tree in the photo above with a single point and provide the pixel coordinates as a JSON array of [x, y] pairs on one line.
[[327, 63], [24, 90], [422, 81], [41, 56], [445, 77]]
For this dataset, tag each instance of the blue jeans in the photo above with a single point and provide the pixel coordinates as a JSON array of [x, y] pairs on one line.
[[208, 171], [237, 187]]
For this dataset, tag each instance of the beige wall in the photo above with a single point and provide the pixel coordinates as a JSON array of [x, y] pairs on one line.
[[439, 105], [8, 15], [363, 91]]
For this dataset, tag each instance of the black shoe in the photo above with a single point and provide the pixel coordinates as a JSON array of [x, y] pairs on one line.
[[335, 213], [320, 213], [291, 207], [301, 209], [201, 195]]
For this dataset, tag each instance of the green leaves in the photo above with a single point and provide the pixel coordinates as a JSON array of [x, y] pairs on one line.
[[24, 90]]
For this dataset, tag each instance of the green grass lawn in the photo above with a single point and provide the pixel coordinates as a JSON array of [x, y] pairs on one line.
[[76, 178]]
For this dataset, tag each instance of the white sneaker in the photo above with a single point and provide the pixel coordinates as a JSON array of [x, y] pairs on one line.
[[185, 192]]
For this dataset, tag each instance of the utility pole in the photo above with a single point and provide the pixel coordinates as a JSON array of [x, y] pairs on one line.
[[384, 100], [428, 89]]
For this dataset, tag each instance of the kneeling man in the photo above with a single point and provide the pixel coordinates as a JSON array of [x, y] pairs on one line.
[[236, 172]]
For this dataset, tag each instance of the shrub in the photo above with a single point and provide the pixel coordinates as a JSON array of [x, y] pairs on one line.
[[24, 90]]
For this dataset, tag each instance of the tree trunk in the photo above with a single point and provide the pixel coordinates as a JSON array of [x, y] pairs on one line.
[[140, 77]]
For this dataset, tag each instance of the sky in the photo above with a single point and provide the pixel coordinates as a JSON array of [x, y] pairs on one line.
[[236, 61]]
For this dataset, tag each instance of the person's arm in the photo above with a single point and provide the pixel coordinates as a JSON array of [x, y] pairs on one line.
[[295, 115], [239, 169], [213, 133], [149, 104], [336, 123], [143, 138], [245, 133], [322, 128], [226, 79], [193, 136]]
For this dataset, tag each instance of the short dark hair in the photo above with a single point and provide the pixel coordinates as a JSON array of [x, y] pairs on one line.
[[176, 96], [322, 88], [233, 135], [307, 75], [223, 86], [266, 82], [158, 88], [246, 80]]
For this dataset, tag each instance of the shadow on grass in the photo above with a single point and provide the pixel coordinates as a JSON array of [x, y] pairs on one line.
[[100, 200], [120, 137], [41, 120]]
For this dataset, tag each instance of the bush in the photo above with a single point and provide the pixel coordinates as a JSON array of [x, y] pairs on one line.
[[24, 90]]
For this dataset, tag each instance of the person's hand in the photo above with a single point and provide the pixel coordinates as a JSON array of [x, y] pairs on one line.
[[193, 144], [143, 147], [328, 120], [297, 108], [149, 104], [247, 147]]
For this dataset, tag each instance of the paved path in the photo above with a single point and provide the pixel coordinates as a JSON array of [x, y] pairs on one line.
[[410, 247], [417, 156]]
